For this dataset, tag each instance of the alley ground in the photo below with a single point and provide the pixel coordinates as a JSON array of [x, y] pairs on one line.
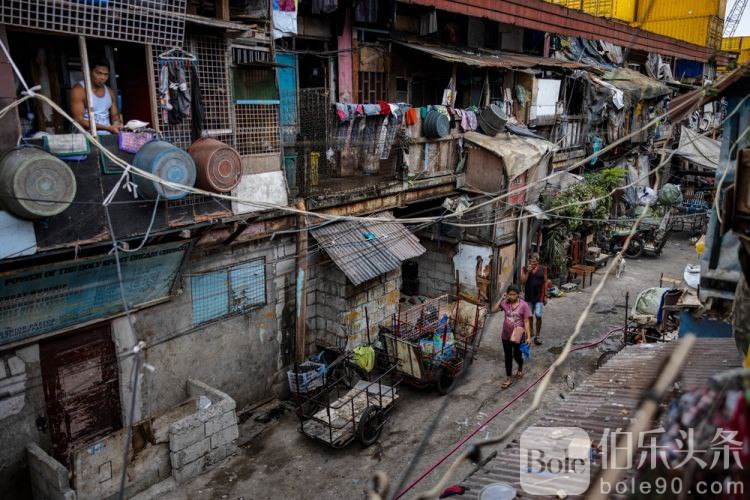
[[282, 463]]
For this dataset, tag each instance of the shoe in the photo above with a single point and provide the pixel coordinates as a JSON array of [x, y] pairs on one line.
[[519, 374], [508, 382], [537, 341]]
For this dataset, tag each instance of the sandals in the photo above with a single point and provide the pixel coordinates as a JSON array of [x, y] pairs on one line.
[[508, 382], [537, 341], [519, 374]]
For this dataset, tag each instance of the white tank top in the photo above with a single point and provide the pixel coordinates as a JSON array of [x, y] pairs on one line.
[[101, 106]]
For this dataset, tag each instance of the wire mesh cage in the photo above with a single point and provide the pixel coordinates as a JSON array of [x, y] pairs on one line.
[[159, 22]]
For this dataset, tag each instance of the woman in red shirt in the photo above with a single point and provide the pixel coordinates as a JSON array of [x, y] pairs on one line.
[[516, 329]]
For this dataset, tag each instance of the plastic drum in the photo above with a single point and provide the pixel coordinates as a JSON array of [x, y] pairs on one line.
[[167, 162]]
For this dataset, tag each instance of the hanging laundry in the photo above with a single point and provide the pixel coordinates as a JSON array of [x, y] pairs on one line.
[[198, 112], [175, 98], [410, 117], [385, 109], [372, 109]]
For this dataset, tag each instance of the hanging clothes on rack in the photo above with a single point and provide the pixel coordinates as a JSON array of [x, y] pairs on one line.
[[196, 104], [179, 95], [180, 101]]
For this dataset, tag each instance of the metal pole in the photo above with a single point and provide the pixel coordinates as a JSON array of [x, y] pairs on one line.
[[301, 332], [87, 82], [627, 307]]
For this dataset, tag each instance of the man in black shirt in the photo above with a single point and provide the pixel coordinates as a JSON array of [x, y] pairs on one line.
[[534, 277]]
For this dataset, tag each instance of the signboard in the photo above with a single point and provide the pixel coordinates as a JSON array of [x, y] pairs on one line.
[[46, 298]]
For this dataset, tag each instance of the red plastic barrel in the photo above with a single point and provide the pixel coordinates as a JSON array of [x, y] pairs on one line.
[[218, 165]]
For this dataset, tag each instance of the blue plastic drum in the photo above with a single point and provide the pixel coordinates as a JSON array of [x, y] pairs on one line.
[[167, 162]]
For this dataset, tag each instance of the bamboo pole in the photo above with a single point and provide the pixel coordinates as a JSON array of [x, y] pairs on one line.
[[87, 82]]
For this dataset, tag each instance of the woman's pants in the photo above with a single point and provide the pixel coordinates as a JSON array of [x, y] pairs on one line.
[[512, 351]]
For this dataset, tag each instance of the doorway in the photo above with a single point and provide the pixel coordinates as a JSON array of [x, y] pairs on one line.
[[81, 389]]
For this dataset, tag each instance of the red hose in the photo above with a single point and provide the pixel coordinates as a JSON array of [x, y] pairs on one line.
[[492, 417]]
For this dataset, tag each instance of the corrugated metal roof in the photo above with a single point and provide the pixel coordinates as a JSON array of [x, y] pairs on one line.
[[490, 59], [365, 250], [609, 398]]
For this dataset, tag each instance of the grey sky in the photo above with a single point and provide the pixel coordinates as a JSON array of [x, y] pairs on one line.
[[744, 28]]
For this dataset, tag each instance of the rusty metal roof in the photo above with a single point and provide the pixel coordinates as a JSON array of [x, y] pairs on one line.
[[364, 250], [609, 398], [490, 59]]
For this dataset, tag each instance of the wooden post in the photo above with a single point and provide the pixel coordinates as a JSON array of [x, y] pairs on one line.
[[301, 285], [222, 10], [87, 82]]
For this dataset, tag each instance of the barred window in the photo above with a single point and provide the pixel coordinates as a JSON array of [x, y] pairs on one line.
[[229, 291]]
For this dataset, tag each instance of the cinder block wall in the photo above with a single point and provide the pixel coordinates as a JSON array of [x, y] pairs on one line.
[[436, 272], [201, 440], [50, 480], [336, 307]]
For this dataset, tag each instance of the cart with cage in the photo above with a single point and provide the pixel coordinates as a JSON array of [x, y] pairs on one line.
[[341, 410], [433, 340]]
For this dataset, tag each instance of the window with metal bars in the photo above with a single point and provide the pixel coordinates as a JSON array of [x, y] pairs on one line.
[[229, 291]]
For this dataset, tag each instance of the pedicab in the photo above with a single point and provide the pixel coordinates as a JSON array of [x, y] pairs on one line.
[[431, 341]]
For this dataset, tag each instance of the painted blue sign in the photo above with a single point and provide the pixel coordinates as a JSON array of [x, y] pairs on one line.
[[46, 298]]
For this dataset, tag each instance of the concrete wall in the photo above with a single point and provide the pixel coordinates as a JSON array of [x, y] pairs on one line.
[[244, 355], [201, 440], [435, 269], [336, 307], [21, 404], [50, 480]]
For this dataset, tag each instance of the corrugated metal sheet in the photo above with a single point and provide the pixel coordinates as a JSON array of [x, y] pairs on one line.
[[624, 10], [490, 59], [609, 398], [704, 31], [365, 250], [660, 10]]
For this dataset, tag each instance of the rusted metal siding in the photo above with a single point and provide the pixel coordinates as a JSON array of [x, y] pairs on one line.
[[610, 397], [542, 16], [364, 251]]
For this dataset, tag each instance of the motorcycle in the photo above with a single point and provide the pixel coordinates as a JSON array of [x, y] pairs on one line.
[[649, 237]]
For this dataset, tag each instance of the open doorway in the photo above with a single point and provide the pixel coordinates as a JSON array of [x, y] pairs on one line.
[[54, 63]]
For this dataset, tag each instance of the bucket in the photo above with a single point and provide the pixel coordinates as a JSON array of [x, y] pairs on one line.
[[35, 184], [218, 166], [167, 162], [435, 125]]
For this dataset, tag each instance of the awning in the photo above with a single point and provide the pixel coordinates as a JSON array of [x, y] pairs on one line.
[[518, 153], [699, 149], [490, 59], [636, 85], [537, 212], [364, 250]]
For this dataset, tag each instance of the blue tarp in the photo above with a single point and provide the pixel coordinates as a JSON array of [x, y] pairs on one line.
[[687, 69]]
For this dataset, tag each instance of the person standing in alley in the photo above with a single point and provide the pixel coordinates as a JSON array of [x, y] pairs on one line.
[[516, 329], [534, 279]]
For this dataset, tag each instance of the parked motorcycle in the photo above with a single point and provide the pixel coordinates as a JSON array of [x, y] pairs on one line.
[[649, 237]]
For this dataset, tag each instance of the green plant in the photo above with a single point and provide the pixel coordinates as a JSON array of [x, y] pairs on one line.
[[553, 250], [596, 186]]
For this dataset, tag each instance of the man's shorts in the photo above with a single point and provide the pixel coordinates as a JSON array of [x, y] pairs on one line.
[[537, 308]]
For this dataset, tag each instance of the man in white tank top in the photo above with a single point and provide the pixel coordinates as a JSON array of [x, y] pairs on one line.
[[106, 115]]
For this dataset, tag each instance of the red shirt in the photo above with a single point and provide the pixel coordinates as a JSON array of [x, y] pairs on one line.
[[515, 314]]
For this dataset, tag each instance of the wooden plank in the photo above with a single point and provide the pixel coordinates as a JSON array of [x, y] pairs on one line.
[[222, 10]]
